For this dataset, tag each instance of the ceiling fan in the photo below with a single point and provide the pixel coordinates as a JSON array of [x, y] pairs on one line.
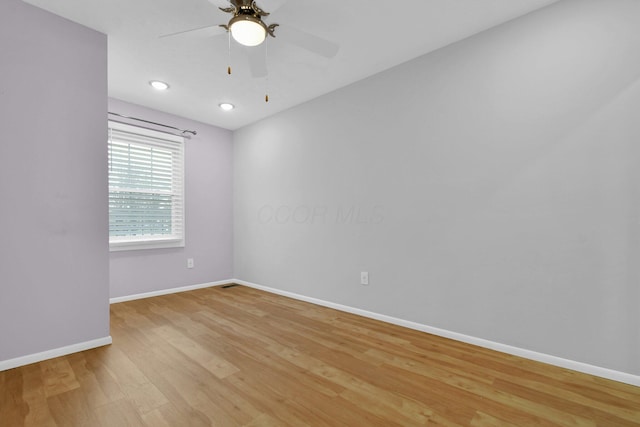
[[248, 28], [246, 25]]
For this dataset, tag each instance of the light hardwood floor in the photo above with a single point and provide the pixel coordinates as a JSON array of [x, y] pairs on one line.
[[242, 357]]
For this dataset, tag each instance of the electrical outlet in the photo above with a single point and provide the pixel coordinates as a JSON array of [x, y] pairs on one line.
[[190, 263], [364, 277]]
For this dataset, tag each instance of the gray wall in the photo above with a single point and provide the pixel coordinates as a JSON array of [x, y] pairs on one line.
[[208, 209], [53, 254], [489, 188]]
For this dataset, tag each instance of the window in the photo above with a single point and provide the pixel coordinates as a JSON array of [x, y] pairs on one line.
[[146, 175]]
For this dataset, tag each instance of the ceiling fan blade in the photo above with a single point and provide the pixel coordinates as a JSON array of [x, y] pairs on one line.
[[268, 5], [220, 3], [257, 61], [208, 31], [307, 41]]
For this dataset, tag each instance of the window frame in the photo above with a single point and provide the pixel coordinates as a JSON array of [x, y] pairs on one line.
[[153, 241]]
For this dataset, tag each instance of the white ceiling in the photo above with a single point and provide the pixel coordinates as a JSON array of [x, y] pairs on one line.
[[373, 35]]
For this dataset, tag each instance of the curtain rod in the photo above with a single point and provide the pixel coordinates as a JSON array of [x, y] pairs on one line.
[[193, 132]]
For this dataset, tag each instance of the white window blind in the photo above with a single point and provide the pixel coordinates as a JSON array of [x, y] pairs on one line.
[[146, 186]]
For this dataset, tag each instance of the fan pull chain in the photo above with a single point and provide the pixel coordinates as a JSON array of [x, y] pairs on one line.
[[266, 62], [229, 66], [229, 36]]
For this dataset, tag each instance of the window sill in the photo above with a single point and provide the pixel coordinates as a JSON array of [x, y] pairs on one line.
[[147, 244]]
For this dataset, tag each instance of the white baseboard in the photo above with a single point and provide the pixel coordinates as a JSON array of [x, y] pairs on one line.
[[611, 374], [50, 354], [168, 291]]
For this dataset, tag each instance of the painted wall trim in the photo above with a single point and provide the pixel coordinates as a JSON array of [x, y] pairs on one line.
[[168, 291], [56, 352], [611, 374]]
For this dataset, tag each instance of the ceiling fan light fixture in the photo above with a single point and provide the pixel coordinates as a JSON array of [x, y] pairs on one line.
[[247, 30]]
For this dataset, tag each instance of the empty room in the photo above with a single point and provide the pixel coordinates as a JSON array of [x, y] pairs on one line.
[[320, 213]]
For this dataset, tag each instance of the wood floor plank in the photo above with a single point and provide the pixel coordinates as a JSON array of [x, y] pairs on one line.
[[14, 407], [58, 377], [193, 350], [156, 418], [71, 409], [120, 413], [243, 357], [485, 420]]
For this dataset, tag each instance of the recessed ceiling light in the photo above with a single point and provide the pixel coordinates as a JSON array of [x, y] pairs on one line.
[[226, 106], [158, 85]]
